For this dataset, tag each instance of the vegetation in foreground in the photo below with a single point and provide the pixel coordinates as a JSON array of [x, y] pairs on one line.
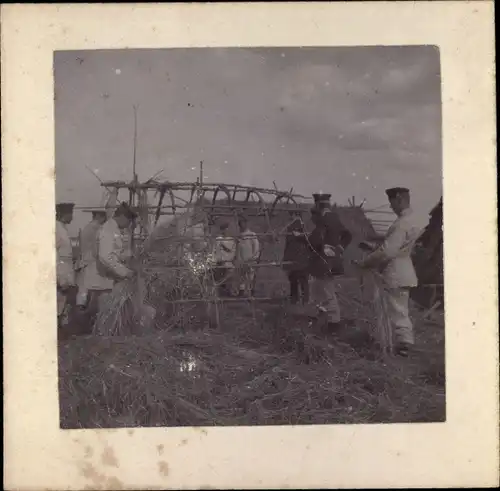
[[263, 365]]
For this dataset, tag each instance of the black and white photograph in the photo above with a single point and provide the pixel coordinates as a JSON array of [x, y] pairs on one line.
[[249, 236], [249, 245]]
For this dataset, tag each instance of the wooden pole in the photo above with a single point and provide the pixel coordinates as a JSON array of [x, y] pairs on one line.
[[133, 190], [134, 163]]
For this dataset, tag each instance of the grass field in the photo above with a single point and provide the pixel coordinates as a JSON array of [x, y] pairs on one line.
[[262, 365]]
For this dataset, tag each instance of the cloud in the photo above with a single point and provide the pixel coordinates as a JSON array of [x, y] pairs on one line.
[[308, 119]]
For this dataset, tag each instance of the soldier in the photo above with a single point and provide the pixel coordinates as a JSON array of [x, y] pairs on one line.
[[327, 243], [393, 259], [112, 258], [224, 255], [88, 255], [296, 260], [64, 268], [248, 253]]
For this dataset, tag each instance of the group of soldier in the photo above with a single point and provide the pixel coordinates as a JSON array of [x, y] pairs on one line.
[[103, 261], [312, 261]]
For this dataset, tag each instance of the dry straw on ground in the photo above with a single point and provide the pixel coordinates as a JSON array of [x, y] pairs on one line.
[[258, 367], [229, 362]]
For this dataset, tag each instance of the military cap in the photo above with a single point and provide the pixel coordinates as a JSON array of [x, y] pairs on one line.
[[65, 207], [394, 192], [322, 198], [125, 210]]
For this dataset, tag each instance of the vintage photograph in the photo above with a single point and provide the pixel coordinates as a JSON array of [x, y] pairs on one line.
[[249, 236]]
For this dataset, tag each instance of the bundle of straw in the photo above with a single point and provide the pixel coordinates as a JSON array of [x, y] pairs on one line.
[[233, 378], [383, 327], [116, 313]]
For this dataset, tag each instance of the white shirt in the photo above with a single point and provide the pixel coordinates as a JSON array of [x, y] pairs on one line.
[[64, 267], [88, 243], [248, 246], [225, 249], [394, 255]]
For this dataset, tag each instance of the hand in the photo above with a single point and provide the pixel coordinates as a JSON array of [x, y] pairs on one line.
[[329, 251], [357, 263], [365, 246], [130, 274], [296, 234]]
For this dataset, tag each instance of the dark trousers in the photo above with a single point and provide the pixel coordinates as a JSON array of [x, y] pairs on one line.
[[87, 315], [299, 286], [222, 277]]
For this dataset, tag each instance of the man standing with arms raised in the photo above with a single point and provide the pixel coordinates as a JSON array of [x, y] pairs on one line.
[[393, 260]]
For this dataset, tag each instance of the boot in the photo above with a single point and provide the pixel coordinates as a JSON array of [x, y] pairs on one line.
[[402, 349]]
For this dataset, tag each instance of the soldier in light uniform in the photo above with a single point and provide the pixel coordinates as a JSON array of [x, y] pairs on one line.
[[224, 255], [65, 268], [247, 255], [88, 255], [112, 257], [393, 260]]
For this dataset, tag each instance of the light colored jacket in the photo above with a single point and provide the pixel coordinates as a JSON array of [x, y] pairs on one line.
[[393, 257], [65, 272], [112, 253], [88, 243], [88, 277], [248, 247]]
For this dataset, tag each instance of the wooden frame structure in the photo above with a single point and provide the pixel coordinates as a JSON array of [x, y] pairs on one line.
[[215, 199], [167, 198]]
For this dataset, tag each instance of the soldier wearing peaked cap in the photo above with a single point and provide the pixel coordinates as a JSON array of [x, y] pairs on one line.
[[394, 193], [393, 259], [64, 269], [112, 255], [327, 243]]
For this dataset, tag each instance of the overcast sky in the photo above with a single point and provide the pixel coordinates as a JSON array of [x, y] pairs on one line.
[[349, 121]]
